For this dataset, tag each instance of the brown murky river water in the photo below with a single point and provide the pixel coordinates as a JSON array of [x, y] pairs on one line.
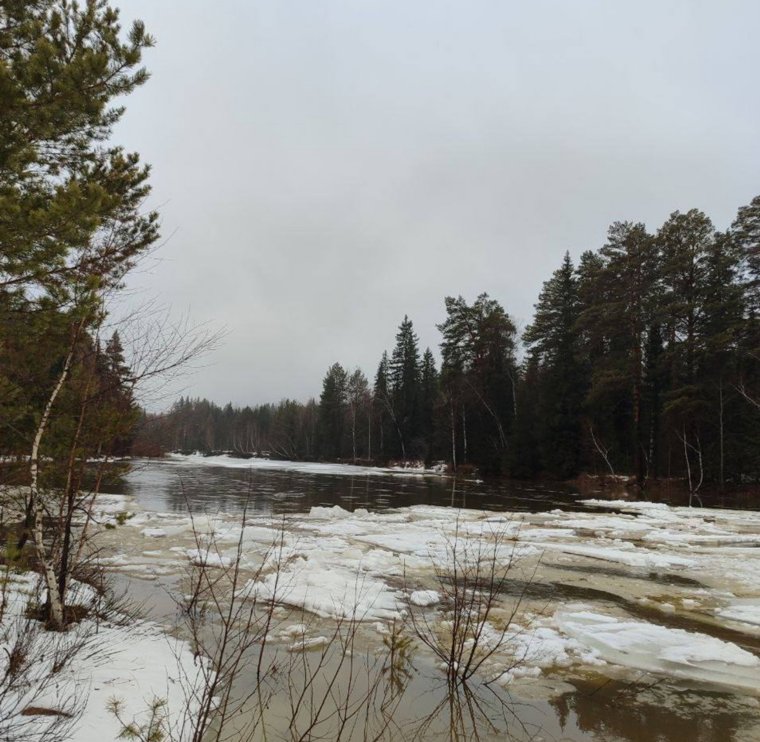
[[571, 700]]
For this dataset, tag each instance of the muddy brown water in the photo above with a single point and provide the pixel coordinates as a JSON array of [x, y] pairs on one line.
[[573, 707]]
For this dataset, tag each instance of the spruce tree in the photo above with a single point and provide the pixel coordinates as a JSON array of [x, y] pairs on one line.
[[554, 343], [404, 377], [382, 407], [332, 412], [428, 401]]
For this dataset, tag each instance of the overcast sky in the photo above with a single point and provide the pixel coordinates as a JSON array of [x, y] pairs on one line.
[[324, 167]]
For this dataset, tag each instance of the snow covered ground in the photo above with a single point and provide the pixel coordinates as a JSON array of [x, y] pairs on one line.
[[96, 662]]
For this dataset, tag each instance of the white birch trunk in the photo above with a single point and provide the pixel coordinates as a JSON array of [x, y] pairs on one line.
[[54, 599]]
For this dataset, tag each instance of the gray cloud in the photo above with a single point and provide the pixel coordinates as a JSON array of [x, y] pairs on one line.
[[326, 167]]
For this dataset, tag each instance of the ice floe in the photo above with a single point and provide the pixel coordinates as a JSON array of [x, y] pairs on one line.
[[303, 467], [327, 591], [665, 651], [424, 597], [666, 562]]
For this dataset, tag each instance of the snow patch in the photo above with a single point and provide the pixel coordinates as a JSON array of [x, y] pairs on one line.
[[424, 598]]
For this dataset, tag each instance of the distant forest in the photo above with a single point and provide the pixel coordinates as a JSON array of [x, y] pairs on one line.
[[643, 359]]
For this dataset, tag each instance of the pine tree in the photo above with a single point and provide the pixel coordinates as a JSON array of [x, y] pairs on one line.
[[61, 67], [479, 375], [620, 298], [71, 224], [745, 235], [685, 240]]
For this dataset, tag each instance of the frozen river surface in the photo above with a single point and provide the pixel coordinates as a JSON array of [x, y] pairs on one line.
[[619, 620]]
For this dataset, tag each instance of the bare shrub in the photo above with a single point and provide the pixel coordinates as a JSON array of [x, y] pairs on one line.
[[259, 676], [472, 580]]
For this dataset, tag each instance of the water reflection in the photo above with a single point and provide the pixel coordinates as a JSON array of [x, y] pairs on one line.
[[655, 711], [171, 487], [606, 710]]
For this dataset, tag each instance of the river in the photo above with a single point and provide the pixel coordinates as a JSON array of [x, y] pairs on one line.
[[644, 620]]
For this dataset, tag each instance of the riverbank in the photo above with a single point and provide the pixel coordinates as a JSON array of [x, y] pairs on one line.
[[66, 685]]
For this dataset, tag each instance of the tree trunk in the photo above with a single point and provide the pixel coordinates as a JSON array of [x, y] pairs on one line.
[[722, 440], [464, 435], [688, 466], [70, 501], [453, 437], [638, 459], [353, 430], [54, 598], [369, 434]]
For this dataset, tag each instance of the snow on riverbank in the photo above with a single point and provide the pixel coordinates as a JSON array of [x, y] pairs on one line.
[[132, 661]]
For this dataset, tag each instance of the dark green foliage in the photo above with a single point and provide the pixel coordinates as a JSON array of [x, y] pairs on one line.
[[382, 409], [404, 378], [479, 377], [332, 411], [70, 206], [524, 459], [557, 373], [428, 403], [72, 222], [648, 351], [745, 236]]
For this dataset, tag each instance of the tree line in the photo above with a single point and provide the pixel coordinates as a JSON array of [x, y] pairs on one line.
[[641, 359]]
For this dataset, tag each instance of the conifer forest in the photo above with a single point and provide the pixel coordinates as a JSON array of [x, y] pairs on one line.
[[534, 515], [642, 359]]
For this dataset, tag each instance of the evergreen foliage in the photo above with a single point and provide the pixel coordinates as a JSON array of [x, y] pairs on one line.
[[404, 377], [72, 224], [479, 370], [556, 368], [643, 359]]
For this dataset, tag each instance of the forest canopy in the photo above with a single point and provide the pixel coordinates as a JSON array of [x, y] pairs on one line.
[[641, 359]]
